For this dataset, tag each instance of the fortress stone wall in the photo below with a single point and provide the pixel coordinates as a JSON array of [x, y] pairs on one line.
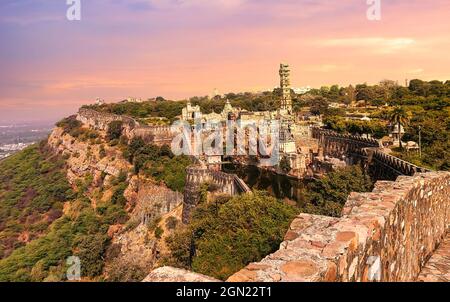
[[151, 199], [159, 135], [385, 235], [229, 184], [386, 166], [366, 151], [342, 144], [100, 120]]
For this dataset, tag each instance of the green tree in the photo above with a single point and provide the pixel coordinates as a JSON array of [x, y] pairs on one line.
[[319, 105], [399, 117], [285, 165], [365, 93], [90, 249], [115, 129], [327, 196], [228, 234]]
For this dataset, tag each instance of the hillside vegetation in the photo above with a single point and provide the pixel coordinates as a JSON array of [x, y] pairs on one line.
[[227, 234], [33, 189], [44, 221]]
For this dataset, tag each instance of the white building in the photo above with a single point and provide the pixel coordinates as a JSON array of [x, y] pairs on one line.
[[134, 100], [190, 113], [302, 90]]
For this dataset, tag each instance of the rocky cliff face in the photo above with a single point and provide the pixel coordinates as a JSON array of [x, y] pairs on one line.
[[95, 167], [84, 159], [152, 200]]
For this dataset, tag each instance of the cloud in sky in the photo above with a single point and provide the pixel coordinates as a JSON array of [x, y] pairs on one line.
[[180, 48], [200, 3], [376, 44]]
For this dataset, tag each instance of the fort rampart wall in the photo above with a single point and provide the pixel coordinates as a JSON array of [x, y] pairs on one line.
[[159, 135], [385, 235]]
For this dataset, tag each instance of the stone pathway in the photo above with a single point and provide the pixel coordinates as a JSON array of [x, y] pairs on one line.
[[438, 267]]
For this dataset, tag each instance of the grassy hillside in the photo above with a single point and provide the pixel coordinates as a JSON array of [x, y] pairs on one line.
[[36, 237], [33, 188]]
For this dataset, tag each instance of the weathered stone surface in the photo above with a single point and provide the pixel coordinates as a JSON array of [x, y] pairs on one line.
[[296, 270], [437, 268], [197, 175], [331, 274], [154, 200], [245, 275], [166, 274], [158, 135], [386, 235]]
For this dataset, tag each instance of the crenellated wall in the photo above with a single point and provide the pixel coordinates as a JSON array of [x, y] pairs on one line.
[[385, 235], [369, 152], [387, 166], [342, 145], [159, 135], [229, 184]]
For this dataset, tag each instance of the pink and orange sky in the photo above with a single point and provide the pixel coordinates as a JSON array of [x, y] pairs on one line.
[[181, 48]]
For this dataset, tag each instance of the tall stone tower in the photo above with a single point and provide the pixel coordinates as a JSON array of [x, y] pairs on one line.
[[285, 84]]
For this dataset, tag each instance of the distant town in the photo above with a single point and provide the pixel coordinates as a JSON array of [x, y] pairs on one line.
[[16, 137]]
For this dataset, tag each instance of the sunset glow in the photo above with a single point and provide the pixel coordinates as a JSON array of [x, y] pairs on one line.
[[177, 49]]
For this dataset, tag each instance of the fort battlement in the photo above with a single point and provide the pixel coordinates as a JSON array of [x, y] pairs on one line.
[[328, 136], [388, 166], [159, 135], [229, 184], [100, 120], [369, 152]]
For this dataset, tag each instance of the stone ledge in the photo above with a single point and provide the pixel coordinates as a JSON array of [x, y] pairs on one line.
[[384, 235], [171, 274]]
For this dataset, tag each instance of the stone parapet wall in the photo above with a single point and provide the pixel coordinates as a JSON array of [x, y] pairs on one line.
[[321, 134], [385, 235], [160, 135], [437, 268], [151, 200], [229, 184], [397, 166], [163, 274], [369, 151]]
